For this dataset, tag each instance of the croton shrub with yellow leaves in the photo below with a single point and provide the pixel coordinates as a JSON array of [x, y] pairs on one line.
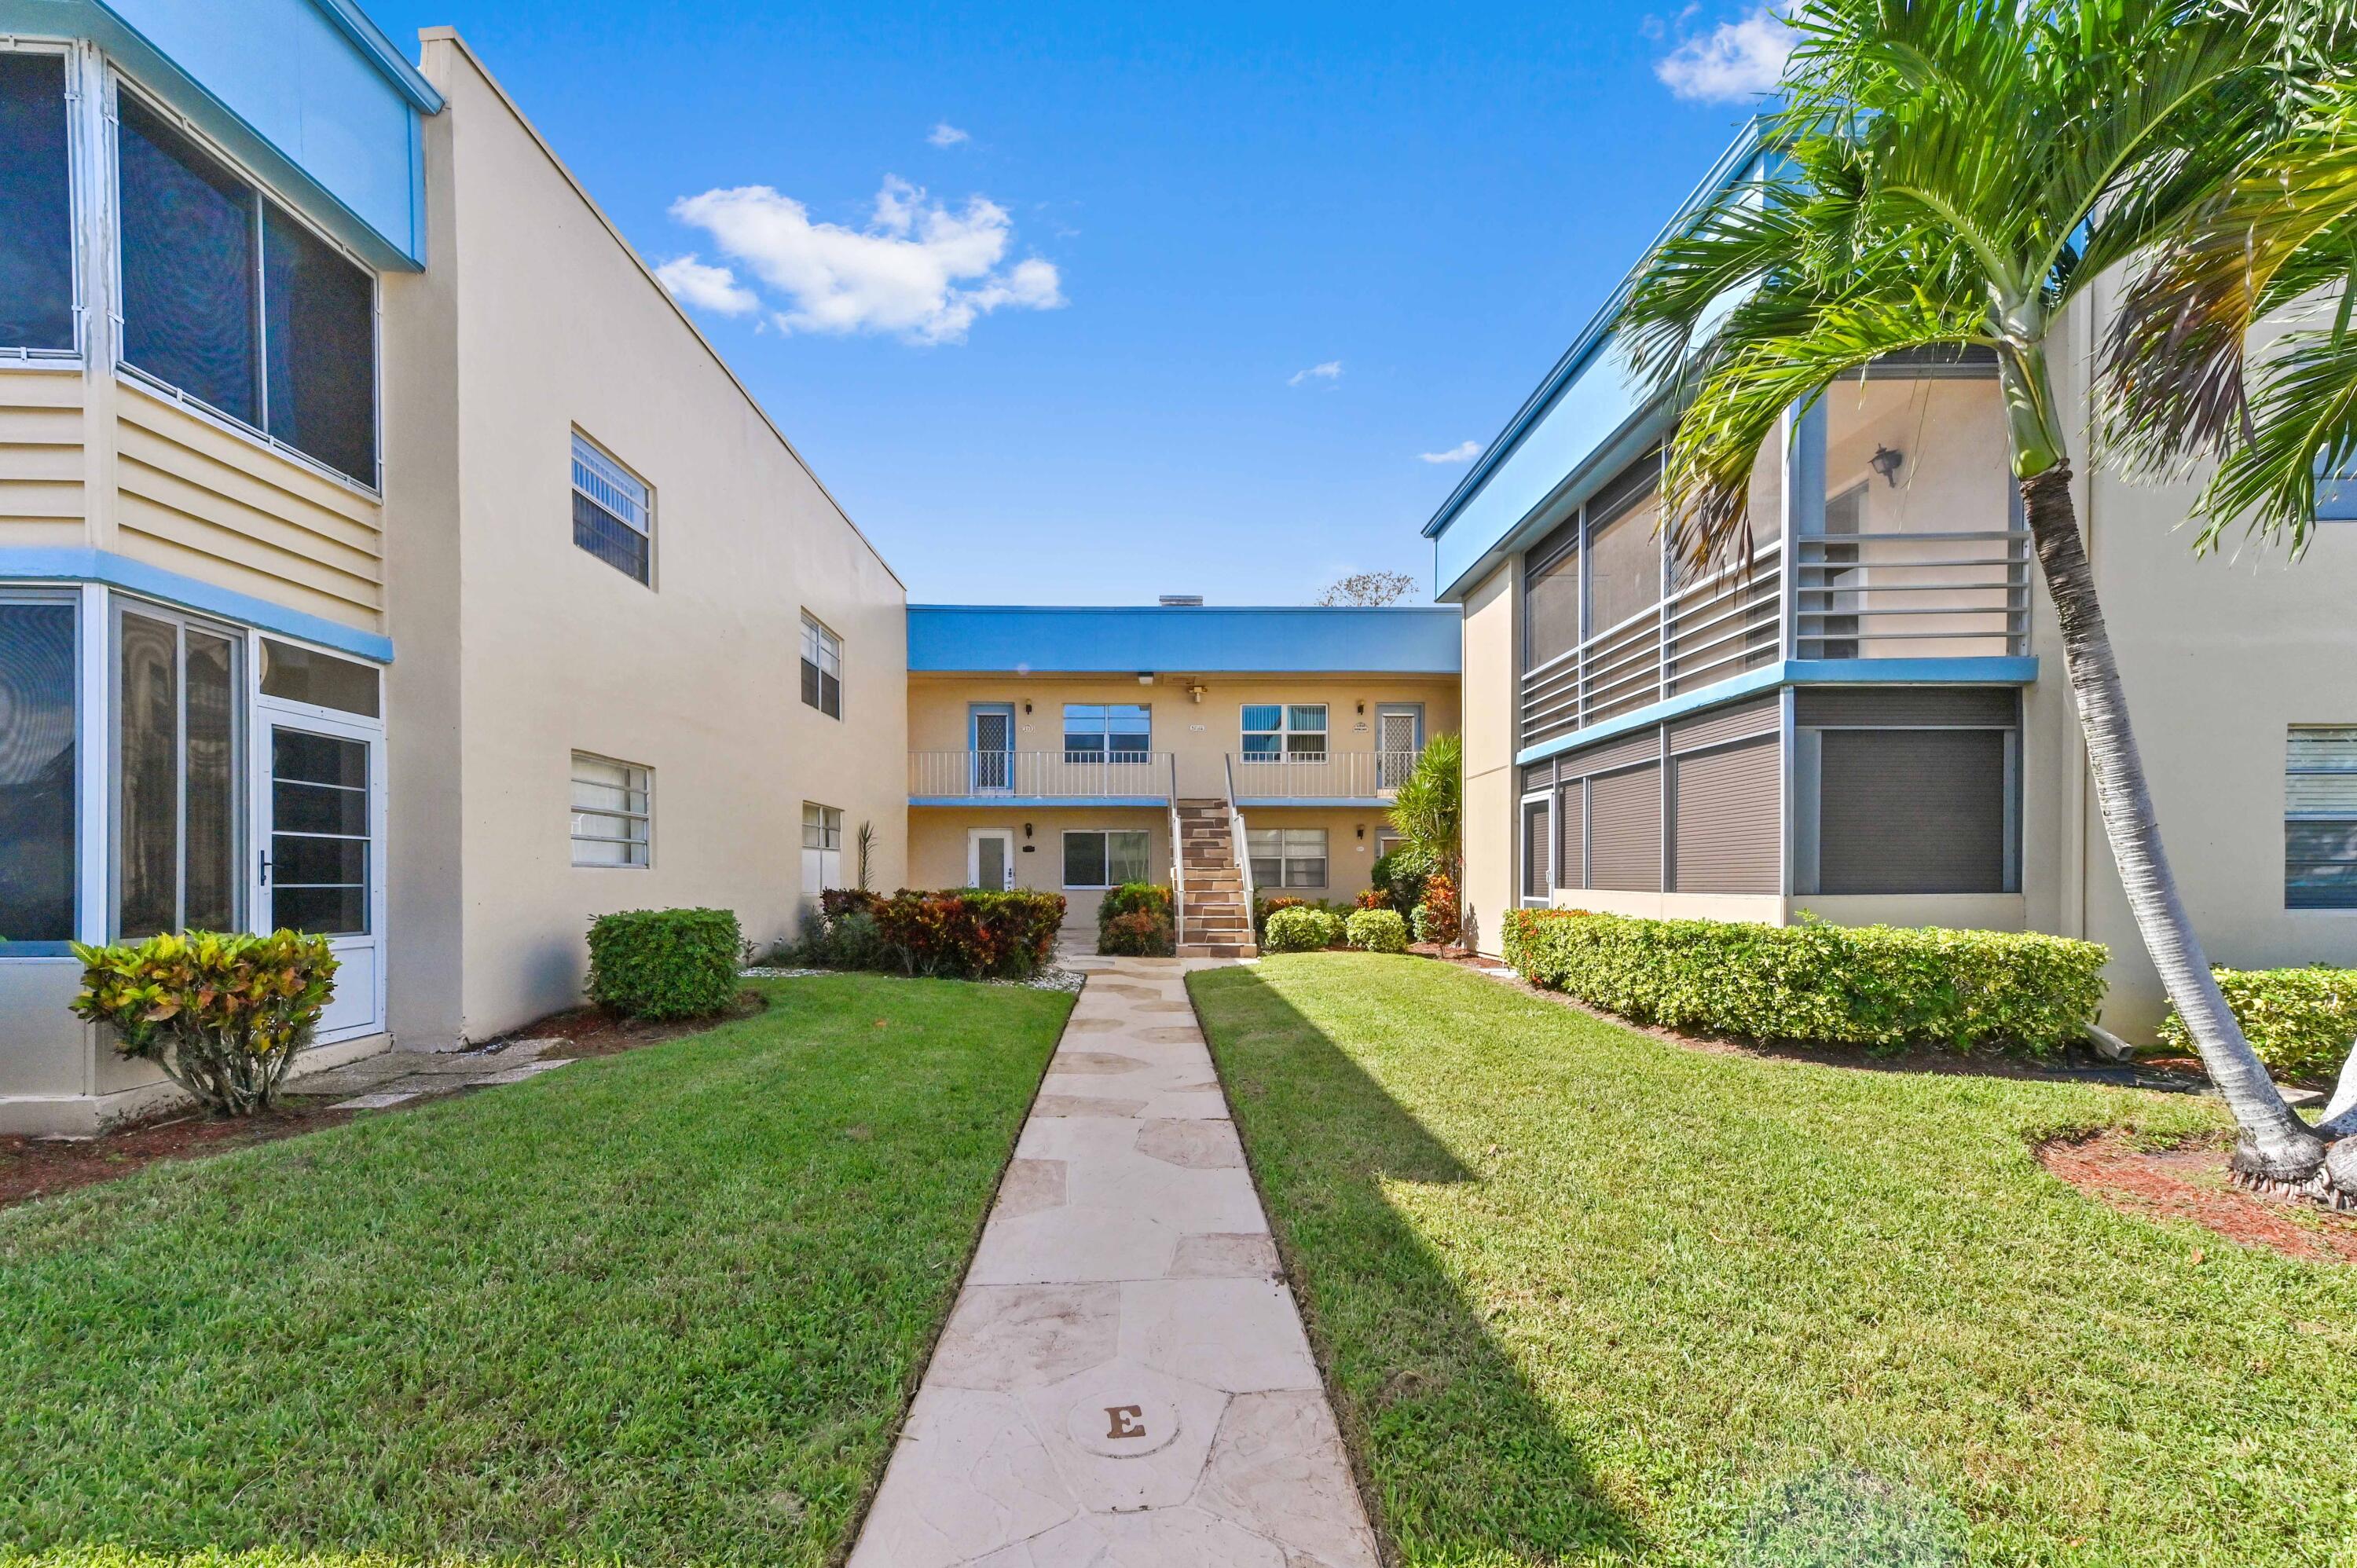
[[223, 1014]]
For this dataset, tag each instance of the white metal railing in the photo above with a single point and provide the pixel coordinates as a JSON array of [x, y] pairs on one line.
[[1148, 775], [1178, 864], [1900, 595], [1706, 631], [1318, 776], [1240, 847]]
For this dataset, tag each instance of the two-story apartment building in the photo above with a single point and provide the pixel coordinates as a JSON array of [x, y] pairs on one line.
[[1868, 720], [1070, 748], [383, 553]]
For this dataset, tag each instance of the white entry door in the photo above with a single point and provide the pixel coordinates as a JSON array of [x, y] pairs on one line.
[[320, 867], [990, 858]]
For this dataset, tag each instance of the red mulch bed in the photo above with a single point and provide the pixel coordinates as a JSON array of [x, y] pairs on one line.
[[37, 1167], [2191, 1183], [594, 1031]]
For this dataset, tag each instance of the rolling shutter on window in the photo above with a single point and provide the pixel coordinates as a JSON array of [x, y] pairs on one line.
[[1624, 838], [1571, 835], [1729, 826], [1912, 812]]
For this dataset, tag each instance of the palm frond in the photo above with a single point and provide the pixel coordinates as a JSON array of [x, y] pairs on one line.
[[2304, 427]]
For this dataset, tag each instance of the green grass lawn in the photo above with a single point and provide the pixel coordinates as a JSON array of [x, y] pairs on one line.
[[1586, 1297], [661, 1308]]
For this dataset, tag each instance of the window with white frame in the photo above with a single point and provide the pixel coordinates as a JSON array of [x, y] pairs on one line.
[[179, 783], [39, 758], [37, 261], [821, 668], [1286, 857], [2321, 817], [613, 811], [1107, 732], [231, 301], [1272, 731], [613, 512], [1095, 857], [821, 847]]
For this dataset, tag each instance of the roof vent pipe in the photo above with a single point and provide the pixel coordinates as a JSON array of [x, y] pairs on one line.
[[1182, 601]]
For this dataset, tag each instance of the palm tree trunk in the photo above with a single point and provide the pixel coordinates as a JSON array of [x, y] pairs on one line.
[[2276, 1145]]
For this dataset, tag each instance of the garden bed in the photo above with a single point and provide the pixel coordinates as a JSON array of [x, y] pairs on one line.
[[2188, 1181]]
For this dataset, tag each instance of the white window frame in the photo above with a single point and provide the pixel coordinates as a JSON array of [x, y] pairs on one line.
[[88, 749], [77, 90], [606, 492], [825, 823], [1107, 751], [1285, 860], [242, 731], [115, 81], [1284, 731], [646, 814], [1063, 849], [822, 648]]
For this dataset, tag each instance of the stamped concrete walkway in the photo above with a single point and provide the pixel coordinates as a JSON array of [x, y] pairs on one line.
[[1124, 1383]]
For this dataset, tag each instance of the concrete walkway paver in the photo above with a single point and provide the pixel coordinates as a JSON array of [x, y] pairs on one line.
[[1123, 1382]]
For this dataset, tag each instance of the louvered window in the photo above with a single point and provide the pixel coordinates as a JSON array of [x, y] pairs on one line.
[[2321, 818], [613, 514]]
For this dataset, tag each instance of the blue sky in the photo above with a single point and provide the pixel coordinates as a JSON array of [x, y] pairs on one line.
[[1034, 289]]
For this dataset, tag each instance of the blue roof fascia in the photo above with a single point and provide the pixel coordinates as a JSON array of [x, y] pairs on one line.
[[1594, 339], [1191, 640], [74, 563], [2007, 672], [370, 40]]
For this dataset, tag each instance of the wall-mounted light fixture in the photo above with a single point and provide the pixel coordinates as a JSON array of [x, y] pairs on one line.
[[1145, 677], [1362, 710], [1885, 463], [1027, 707], [1194, 691], [1027, 829], [1363, 830]]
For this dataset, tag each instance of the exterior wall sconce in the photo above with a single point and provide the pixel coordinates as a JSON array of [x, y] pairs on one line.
[[1027, 829], [1885, 463], [1362, 710], [1027, 707], [1363, 830], [1194, 691], [1145, 677]]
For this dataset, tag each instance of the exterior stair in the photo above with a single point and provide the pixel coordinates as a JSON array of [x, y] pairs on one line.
[[1217, 923]]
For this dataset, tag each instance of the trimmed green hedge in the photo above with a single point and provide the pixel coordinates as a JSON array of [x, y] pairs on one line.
[[664, 963], [1377, 930], [2300, 1021], [1301, 929], [1134, 920], [1879, 986]]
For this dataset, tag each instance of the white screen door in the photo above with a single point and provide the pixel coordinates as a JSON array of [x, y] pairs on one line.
[[1397, 741], [319, 870], [990, 858], [994, 750]]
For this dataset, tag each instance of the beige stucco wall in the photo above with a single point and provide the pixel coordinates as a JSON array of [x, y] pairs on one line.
[[1199, 734], [1492, 640], [559, 327]]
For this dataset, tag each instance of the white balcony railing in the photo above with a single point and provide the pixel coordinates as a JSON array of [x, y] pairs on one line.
[[1048, 775], [1320, 776], [1856, 595]]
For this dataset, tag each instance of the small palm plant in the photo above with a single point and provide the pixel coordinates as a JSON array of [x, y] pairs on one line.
[[1951, 176], [1428, 812]]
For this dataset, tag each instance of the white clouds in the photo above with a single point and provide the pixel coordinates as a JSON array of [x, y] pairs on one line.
[[1328, 371], [1733, 61], [1463, 452], [917, 269], [944, 135], [706, 288]]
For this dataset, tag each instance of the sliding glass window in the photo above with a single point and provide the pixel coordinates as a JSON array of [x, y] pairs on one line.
[[37, 273], [231, 302], [177, 786], [37, 769]]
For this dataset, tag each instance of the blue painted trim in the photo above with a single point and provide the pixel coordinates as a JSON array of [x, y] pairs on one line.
[[1040, 803], [2022, 671], [35, 950], [69, 564], [1335, 803], [356, 25], [1211, 639]]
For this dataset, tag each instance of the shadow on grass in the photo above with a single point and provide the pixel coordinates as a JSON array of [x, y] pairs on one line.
[[1462, 1460]]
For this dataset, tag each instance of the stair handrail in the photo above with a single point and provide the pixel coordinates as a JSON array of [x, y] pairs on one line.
[[1178, 863], [1236, 848]]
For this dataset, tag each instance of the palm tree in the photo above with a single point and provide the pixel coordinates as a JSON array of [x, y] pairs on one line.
[[1952, 174]]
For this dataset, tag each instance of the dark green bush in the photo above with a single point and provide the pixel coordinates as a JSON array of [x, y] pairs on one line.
[[1878, 986], [1376, 931], [968, 933], [2300, 1021], [664, 963], [1134, 921], [1399, 878]]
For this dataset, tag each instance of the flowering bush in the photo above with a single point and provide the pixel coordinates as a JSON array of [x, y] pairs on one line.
[[1878, 986], [1134, 921], [970, 933], [1374, 899], [1436, 918], [1377, 930], [223, 1015]]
